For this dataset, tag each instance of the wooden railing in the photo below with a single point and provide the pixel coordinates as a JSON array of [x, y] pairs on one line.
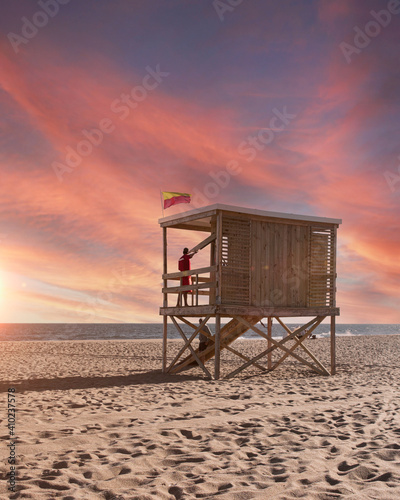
[[199, 283]]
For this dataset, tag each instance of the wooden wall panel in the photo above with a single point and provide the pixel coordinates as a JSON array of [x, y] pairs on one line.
[[279, 264], [269, 264]]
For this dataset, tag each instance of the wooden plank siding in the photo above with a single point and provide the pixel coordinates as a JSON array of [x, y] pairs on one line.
[[279, 264]]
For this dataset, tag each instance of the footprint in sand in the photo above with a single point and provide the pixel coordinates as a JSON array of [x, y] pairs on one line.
[[225, 486], [331, 481], [123, 451], [388, 455], [344, 467], [190, 435], [51, 486], [51, 473], [176, 491], [60, 465]]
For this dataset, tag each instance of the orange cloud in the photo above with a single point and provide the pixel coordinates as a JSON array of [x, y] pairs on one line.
[[75, 235]]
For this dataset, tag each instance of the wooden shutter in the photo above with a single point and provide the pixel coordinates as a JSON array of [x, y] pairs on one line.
[[235, 287], [322, 267]]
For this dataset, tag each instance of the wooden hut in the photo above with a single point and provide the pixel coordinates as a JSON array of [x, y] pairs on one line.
[[261, 265]]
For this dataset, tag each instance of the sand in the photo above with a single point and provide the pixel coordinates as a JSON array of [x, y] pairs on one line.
[[98, 420]]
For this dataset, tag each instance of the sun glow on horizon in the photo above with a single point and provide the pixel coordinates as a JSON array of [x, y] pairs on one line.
[[2, 293]]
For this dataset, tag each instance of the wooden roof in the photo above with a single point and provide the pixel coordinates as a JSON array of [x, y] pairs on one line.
[[200, 218]]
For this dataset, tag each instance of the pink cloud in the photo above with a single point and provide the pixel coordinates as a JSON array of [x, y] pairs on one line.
[[104, 214]]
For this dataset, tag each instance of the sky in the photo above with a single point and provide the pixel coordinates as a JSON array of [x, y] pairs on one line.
[[289, 106]]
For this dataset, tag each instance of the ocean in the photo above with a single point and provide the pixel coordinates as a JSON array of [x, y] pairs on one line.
[[118, 331]]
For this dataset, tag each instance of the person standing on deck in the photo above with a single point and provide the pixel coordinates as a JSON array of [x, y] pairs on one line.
[[184, 265]]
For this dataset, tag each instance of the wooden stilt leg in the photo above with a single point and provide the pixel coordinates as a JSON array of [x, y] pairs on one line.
[[333, 345], [269, 342], [165, 300], [217, 346], [165, 334]]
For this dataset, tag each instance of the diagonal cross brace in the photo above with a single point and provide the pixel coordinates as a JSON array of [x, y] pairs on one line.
[[312, 356], [225, 332], [210, 337], [187, 341], [278, 345], [226, 338], [291, 336], [245, 358], [299, 342], [299, 339]]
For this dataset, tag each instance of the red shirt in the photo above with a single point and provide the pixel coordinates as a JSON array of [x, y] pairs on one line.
[[184, 262]]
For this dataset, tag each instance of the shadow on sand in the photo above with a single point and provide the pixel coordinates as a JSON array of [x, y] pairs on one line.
[[63, 384]]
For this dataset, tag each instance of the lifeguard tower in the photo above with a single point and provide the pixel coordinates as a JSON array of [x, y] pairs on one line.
[[261, 265]]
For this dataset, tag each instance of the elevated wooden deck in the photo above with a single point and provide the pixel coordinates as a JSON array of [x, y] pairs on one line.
[[260, 312]]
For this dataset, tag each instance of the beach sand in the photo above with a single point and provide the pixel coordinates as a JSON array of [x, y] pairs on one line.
[[98, 420]]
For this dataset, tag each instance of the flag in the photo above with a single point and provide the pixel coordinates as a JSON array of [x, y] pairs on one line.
[[175, 198]]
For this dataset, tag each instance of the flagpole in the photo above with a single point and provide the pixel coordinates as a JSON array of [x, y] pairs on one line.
[[162, 203]]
